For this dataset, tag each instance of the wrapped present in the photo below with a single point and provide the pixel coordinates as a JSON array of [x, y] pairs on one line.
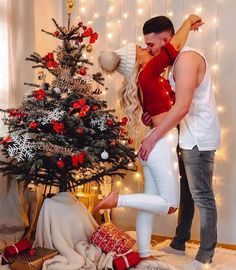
[[33, 259], [126, 261], [15, 249], [111, 238]]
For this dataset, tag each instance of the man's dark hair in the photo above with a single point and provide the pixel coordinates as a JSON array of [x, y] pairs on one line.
[[157, 25]]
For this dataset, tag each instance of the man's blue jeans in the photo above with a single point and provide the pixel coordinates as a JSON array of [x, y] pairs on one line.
[[196, 187]]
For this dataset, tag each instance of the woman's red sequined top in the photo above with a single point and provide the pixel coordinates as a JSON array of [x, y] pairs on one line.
[[158, 96]]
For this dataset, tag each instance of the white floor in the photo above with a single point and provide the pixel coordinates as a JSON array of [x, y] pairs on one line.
[[224, 259]]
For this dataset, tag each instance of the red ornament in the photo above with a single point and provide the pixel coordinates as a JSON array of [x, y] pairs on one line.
[[88, 32], [78, 159], [95, 107], [124, 121], [110, 122], [82, 71], [6, 140], [58, 127], [33, 125], [56, 33], [82, 113], [32, 252], [85, 108], [16, 113], [113, 143], [80, 130], [50, 62], [121, 132], [93, 38], [60, 164], [130, 140], [40, 94], [79, 103]]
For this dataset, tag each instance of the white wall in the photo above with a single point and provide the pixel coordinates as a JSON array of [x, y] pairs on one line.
[[130, 29]]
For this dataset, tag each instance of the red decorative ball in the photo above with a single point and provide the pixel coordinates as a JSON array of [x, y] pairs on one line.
[[113, 143], [95, 107], [110, 122], [82, 71], [124, 121], [60, 163], [130, 141], [56, 33], [80, 130], [33, 125]]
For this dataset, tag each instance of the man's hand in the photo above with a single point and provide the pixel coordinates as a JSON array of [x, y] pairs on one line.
[[146, 119], [147, 145]]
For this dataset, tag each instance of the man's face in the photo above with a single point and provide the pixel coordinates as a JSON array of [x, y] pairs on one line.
[[156, 41]]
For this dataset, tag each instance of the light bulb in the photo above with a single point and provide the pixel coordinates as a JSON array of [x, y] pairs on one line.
[[140, 11], [198, 10], [96, 15], [109, 35], [82, 10], [170, 13], [125, 15]]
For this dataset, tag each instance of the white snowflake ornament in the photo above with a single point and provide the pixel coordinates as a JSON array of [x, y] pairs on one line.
[[104, 155]]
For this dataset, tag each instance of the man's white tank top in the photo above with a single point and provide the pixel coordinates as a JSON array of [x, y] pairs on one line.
[[201, 125]]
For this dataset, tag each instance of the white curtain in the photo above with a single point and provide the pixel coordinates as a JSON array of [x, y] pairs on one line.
[[4, 56]]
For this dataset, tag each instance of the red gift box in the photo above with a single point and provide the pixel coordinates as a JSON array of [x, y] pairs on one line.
[[111, 238], [15, 249], [124, 262]]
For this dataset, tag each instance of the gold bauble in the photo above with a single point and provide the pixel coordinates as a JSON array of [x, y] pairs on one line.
[[89, 48]]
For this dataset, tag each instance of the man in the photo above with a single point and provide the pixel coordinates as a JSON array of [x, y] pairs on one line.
[[199, 137]]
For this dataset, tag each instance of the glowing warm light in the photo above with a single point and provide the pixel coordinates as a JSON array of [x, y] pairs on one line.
[[137, 174], [108, 24], [82, 10], [140, 38], [124, 42], [186, 17], [109, 35], [140, 11], [214, 67], [170, 13], [214, 20], [220, 109], [89, 22], [95, 188], [111, 9], [96, 15], [126, 189], [198, 10], [118, 183], [119, 21], [217, 43], [125, 15]]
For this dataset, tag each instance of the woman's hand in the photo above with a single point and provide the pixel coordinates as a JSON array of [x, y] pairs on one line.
[[147, 145], [196, 22]]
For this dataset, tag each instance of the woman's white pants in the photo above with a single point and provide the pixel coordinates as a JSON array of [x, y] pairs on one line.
[[162, 188]]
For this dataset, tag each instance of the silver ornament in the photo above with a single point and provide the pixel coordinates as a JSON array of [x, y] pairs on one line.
[[104, 155]]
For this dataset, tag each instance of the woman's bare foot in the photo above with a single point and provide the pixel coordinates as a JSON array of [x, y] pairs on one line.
[[109, 202]]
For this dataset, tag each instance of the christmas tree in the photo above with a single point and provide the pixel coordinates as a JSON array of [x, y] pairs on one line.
[[63, 134]]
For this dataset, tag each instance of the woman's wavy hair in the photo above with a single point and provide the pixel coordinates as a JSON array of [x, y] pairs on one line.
[[131, 101]]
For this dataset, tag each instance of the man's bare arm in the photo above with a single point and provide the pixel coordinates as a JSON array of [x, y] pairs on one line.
[[186, 70]]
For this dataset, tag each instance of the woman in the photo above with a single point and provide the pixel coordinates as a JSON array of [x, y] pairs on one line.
[[160, 170]]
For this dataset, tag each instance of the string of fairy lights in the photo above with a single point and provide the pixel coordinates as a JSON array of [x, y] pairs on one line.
[[118, 17]]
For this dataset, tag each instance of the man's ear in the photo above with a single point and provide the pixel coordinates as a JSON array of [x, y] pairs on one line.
[[165, 40]]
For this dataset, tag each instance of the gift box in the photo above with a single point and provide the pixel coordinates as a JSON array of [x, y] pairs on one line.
[[111, 238], [13, 250], [124, 262], [25, 261]]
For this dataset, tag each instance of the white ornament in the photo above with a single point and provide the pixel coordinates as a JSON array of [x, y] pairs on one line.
[[51, 115], [57, 90], [101, 123], [104, 155], [22, 148]]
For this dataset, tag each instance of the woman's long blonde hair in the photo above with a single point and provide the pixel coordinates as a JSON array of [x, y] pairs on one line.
[[131, 101]]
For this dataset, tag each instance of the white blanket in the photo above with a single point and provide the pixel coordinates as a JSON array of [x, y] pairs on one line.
[[65, 224]]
